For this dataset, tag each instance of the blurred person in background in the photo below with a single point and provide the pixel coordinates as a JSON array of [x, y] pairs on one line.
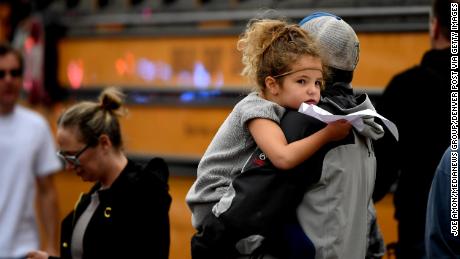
[[440, 240], [125, 214], [409, 97], [27, 163]]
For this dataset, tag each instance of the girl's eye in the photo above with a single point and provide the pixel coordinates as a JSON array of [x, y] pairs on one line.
[[302, 81], [319, 83]]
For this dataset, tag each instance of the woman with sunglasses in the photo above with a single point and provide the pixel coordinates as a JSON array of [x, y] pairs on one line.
[[125, 214]]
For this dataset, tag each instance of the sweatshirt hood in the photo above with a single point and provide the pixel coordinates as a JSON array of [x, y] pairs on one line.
[[349, 104]]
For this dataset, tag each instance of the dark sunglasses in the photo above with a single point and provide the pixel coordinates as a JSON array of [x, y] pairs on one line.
[[15, 73], [72, 159]]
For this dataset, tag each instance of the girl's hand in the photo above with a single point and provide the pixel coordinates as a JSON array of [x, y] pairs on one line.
[[37, 255], [337, 130]]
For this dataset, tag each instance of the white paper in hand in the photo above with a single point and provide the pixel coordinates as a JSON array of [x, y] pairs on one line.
[[356, 118]]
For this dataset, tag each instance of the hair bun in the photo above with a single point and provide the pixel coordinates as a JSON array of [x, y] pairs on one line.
[[111, 99]]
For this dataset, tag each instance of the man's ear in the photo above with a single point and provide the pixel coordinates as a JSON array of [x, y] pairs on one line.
[[272, 85]]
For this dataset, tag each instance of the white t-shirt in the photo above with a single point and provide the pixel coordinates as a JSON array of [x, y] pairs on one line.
[[27, 151]]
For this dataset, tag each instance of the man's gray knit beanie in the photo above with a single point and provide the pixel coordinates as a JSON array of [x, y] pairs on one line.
[[338, 42]]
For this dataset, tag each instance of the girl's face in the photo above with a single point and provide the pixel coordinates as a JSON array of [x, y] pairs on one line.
[[79, 157], [303, 85]]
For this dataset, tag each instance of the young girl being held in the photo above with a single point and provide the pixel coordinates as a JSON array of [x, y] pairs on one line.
[[284, 63]]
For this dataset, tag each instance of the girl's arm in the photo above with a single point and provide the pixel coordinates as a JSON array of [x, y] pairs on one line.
[[270, 138]]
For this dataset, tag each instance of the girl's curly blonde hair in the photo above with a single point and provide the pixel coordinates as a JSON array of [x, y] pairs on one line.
[[269, 47]]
